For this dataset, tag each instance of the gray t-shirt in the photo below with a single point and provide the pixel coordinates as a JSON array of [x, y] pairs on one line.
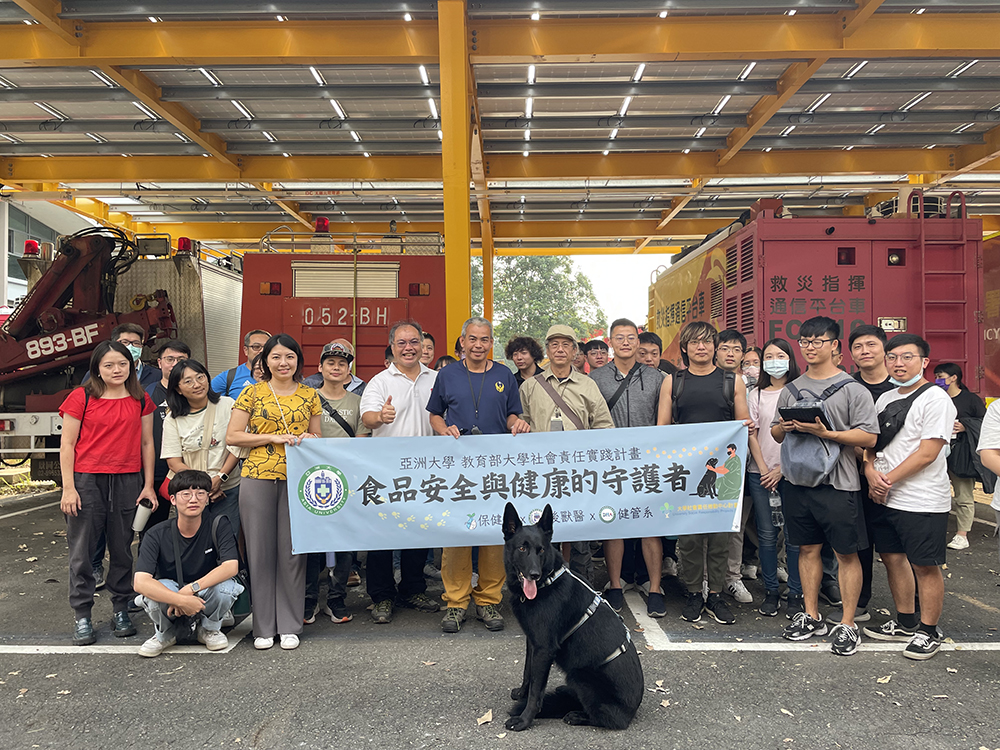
[[637, 405], [849, 408], [349, 408]]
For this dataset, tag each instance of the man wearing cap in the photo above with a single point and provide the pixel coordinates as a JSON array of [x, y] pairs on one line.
[[561, 398], [354, 385], [476, 396]]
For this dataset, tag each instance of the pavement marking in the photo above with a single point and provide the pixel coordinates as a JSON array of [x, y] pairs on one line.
[[975, 602], [235, 635], [28, 510], [652, 631], [818, 647]]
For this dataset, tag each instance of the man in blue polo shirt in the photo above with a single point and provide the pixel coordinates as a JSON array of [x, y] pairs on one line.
[[479, 397], [230, 383]]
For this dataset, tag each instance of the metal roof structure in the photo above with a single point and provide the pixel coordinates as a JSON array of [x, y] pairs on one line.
[[590, 124]]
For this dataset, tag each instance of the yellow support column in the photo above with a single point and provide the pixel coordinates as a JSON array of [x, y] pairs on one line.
[[455, 156]]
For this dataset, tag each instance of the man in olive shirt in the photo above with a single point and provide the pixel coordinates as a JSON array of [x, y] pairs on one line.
[[581, 394]]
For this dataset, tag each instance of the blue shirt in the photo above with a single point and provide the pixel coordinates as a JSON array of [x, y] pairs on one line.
[[457, 391], [240, 379]]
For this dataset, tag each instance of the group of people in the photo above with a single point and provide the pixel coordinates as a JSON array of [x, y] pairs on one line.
[[214, 448]]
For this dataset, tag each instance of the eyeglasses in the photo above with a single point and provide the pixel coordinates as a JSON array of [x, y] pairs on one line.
[[412, 342], [621, 338], [904, 358], [813, 343], [192, 381], [255, 347], [730, 349], [171, 360], [188, 494]]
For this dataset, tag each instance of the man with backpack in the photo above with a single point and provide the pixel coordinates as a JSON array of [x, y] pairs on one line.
[[908, 476], [704, 393], [821, 484], [231, 382]]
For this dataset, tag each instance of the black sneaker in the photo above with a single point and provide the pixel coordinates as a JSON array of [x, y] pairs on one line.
[[716, 607], [453, 619], [122, 625], [337, 611], [83, 632], [382, 612], [923, 646], [99, 581], [616, 598], [795, 605], [419, 602], [309, 613], [693, 607], [831, 594], [845, 640], [803, 626], [770, 606], [861, 614], [890, 631], [655, 606]]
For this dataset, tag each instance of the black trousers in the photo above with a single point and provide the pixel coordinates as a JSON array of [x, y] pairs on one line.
[[382, 584]]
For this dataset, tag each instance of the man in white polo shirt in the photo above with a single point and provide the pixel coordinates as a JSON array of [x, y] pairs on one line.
[[394, 404]]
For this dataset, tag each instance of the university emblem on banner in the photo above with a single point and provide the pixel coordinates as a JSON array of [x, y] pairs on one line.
[[323, 490]]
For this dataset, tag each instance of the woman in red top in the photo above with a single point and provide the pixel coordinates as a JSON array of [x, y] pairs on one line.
[[106, 457]]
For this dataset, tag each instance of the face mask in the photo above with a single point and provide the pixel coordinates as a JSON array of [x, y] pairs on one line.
[[907, 383], [752, 371], [135, 351], [941, 382], [776, 368]]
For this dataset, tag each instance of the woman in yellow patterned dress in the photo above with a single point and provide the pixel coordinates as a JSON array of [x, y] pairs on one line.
[[279, 411]]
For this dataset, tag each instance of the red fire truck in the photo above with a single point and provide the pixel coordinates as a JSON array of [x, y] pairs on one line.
[[320, 287], [906, 273]]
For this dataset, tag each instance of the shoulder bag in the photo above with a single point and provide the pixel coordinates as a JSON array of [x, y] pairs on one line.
[[560, 401]]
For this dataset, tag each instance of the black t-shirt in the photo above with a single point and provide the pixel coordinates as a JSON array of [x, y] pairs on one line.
[[969, 405], [158, 394], [876, 389], [198, 554], [703, 398]]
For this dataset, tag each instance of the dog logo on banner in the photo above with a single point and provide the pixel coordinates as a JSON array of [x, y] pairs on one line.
[[323, 490]]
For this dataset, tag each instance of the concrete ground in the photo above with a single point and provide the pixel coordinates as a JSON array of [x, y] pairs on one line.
[[406, 685]]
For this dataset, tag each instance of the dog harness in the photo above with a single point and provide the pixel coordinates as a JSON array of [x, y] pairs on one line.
[[591, 610]]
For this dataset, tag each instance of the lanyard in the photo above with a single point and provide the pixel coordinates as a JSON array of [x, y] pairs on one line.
[[475, 398], [281, 411]]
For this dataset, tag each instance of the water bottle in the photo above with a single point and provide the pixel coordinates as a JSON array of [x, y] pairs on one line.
[[881, 464], [777, 517]]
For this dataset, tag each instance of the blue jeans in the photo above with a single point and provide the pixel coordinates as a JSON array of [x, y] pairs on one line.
[[219, 601], [767, 534]]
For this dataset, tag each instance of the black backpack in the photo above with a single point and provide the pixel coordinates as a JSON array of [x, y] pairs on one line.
[[892, 418]]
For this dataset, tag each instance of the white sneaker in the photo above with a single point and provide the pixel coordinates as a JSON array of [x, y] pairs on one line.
[[214, 640], [229, 620], [289, 641], [669, 567], [154, 646], [959, 542], [739, 592], [782, 575], [748, 572], [263, 644]]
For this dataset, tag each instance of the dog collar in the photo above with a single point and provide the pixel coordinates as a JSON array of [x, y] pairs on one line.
[[552, 577]]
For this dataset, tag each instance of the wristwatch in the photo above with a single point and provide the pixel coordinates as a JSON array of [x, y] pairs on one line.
[[195, 587], [223, 476]]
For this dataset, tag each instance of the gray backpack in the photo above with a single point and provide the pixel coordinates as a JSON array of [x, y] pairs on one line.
[[807, 460]]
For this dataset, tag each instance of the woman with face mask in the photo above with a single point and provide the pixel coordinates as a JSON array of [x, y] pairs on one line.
[[971, 411], [764, 473], [751, 366]]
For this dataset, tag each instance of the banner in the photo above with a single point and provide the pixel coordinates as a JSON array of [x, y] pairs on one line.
[[405, 493]]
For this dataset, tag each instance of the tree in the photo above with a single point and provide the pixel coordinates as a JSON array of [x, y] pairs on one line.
[[533, 292]]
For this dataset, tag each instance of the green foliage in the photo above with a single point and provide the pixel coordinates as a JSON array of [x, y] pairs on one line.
[[533, 292]]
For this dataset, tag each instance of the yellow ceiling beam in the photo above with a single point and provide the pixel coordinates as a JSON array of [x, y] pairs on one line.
[[791, 81], [207, 43], [46, 12], [855, 19], [573, 250], [974, 156], [673, 39], [677, 205], [147, 92], [289, 207]]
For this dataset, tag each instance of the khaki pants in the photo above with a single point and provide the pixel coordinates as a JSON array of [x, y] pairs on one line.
[[964, 504], [456, 574], [692, 557]]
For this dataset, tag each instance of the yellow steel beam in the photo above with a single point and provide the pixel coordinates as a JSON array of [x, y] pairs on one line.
[[974, 156], [624, 250], [791, 81], [147, 92], [289, 207], [855, 19], [589, 40], [46, 12], [455, 167], [677, 206], [481, 188], [207, 43]]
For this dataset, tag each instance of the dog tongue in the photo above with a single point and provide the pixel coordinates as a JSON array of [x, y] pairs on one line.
[[530, 588]]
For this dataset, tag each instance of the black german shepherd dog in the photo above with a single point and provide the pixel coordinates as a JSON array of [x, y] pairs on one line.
[[567, 623]]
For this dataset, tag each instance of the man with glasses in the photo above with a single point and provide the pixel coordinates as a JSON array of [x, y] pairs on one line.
[[596, 352], [632, 391], [830, 511], [476, 396], [231, 382], [912, 495], [394, 404]]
